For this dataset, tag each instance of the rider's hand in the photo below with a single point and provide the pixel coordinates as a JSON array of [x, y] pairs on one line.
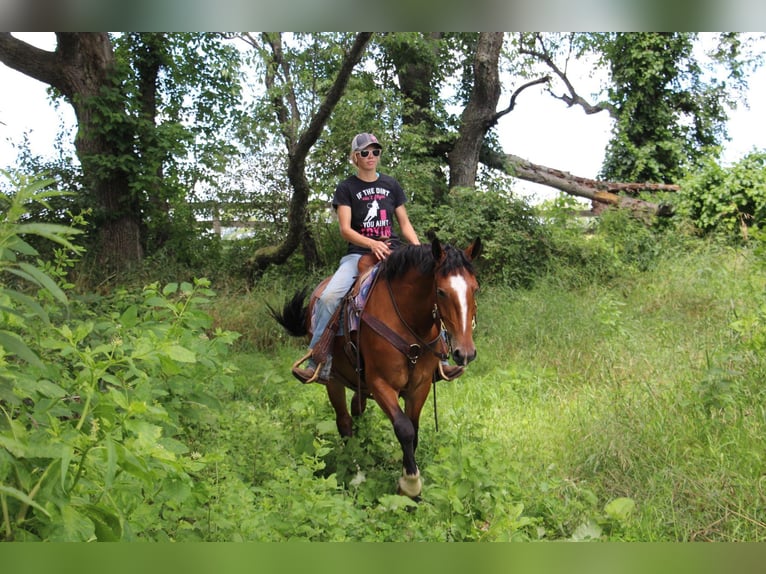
[[380, 250]]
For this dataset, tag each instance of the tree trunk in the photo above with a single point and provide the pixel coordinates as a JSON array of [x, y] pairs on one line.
[[151, 55], [82, 67], [479, 115]]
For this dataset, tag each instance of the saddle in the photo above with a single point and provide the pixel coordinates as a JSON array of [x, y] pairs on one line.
[[345, 320]]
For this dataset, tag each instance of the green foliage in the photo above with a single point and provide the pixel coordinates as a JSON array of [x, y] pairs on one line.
[[667, 116], [729, 201], [98, 398], [515, 243], [621, 407]]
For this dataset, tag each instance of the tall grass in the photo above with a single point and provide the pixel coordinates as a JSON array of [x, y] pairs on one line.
[[639, 389], [624, 410]]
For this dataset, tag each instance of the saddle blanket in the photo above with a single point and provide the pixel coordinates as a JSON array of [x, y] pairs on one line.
[[355, 302]]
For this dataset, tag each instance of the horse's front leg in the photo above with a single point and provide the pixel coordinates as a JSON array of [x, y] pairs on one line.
[[336, 392], [387, 397], [413, 405]]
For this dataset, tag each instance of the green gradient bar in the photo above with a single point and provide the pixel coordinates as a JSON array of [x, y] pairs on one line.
[[382, 558]]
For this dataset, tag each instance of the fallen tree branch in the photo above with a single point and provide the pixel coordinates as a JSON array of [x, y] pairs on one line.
[[599, 192]]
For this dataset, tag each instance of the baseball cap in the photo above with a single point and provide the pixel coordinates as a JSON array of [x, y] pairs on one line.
[[361, 141]]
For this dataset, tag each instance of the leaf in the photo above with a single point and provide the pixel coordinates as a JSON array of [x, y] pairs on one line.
[[105, 521], [129, 317], [326, 427], [74, 526], [111, 463], [19, 245], [24, 498], [14, 344], [49, 389], [146, 433], [620, 508], [132, 464], [587, 531], [51, 231], [396, 502], [29, 303], [181, 354], [33, 274], [67, 452]]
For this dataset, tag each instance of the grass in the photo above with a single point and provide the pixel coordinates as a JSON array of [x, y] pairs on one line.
[[627, 411]]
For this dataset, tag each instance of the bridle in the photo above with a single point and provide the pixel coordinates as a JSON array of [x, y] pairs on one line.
[[431, 346]]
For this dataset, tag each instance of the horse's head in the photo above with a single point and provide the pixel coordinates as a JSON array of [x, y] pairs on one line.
[[456, 288]]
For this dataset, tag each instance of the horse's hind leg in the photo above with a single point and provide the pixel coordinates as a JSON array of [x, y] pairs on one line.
[[336, 392]]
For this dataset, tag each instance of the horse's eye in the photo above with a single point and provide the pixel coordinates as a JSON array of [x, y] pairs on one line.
[[441, 292]]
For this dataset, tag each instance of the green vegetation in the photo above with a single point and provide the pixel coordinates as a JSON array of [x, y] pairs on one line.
[[145, 393], [617, 396], [627, 410]]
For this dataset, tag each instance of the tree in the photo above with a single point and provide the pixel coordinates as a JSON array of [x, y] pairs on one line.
[[479, 114], [298, 138], [83, 68], [154, 113], [667, 116], [418, 62], [157, 114], [183, 96]]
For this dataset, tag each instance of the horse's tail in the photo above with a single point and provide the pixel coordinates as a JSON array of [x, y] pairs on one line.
[[293, 315]]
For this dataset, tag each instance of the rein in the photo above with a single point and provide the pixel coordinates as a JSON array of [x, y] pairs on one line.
[[437, 321], [411, 351]]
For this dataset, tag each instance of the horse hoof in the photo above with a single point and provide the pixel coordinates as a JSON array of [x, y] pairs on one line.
[[410, 485]]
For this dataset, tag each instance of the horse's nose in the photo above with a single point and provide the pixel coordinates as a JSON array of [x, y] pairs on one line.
[[462, 358]]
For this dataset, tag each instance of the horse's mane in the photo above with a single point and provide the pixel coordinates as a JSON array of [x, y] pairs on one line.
[[421, 257]]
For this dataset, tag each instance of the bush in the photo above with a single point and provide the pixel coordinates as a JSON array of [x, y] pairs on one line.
[[727, 200], [99, 397], [515, 242]]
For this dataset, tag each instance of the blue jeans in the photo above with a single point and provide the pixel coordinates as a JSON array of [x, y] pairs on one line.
[[338, 286]]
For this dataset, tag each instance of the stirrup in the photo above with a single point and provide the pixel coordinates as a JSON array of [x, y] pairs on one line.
[[306, 357]]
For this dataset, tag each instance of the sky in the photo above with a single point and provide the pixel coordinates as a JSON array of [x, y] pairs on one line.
[[540, 129]]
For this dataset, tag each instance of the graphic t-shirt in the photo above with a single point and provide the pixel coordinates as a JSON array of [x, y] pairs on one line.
[[372, 206]]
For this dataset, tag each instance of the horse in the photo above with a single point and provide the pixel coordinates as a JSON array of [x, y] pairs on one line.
[[420, 307]]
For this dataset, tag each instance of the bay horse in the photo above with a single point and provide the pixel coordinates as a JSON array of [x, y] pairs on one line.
[[419, 293]]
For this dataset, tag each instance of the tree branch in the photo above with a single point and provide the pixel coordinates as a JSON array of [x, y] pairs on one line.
[[30, 60], [296, 167], [572, 98], [289, 118], [603, 192], [515, 95]]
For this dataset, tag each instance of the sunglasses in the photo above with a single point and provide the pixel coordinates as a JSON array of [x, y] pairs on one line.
[[366, 152]]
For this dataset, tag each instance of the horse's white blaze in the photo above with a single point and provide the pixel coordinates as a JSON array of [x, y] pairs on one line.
[[460, 287]]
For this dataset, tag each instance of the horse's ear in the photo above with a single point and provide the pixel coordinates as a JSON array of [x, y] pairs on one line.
[[436, 247], [474, 249]]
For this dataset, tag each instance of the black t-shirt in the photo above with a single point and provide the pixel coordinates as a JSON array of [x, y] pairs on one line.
[[372, 206]]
